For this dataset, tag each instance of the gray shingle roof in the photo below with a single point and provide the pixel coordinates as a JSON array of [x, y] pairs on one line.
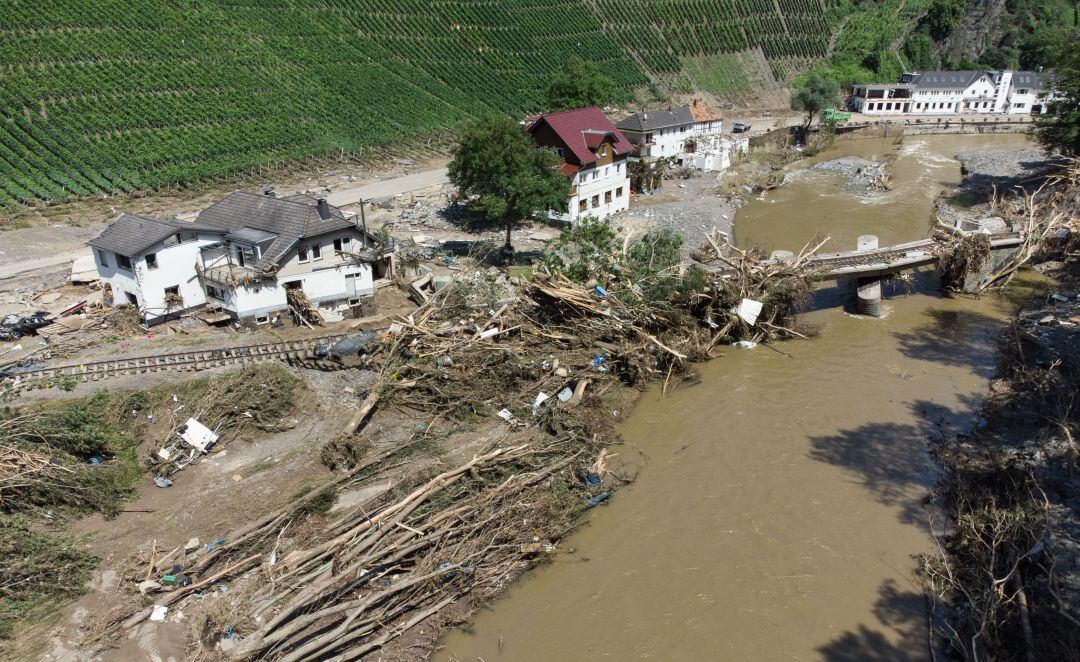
[[937, 80], [1028, 79], [290, 219], [652, 120], [131, 234]]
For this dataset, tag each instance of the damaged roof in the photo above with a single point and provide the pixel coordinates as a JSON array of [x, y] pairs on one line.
[[131, 234], [290, 219], [652, 120]]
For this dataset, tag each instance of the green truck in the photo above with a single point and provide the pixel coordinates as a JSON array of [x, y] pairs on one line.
[[834, 115]]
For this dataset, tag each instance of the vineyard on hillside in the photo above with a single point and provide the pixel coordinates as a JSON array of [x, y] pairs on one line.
[[127, 95]]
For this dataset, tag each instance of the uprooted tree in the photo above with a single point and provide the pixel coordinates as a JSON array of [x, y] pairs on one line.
[[504, 177]]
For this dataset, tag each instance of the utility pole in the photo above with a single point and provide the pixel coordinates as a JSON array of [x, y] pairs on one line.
[[363, 222]]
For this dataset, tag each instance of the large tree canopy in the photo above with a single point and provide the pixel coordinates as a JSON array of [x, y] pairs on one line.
[[1059, 129], [508, 179], [579, 84], [814, 96]]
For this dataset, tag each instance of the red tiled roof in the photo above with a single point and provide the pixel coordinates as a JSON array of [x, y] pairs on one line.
[[571, 125], [569, 169]]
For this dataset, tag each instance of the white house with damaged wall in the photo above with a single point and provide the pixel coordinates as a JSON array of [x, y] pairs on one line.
[[240, 256], [691, 135]]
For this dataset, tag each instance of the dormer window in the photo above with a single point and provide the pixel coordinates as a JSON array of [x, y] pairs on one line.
[[559, 151]]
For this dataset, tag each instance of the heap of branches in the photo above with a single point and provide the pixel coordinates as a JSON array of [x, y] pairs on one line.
[[783, 287], [1039, 216]]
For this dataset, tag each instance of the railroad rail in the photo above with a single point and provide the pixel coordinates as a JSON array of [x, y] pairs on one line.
[[286, 351]]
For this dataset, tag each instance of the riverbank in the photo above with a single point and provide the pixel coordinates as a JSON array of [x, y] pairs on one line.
[[783, 499], [1006, 579]]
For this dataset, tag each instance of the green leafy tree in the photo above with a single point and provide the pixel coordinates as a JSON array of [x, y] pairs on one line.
[[508, 179], [817, 94], [1059, 129], [586, 250], [579, 84]]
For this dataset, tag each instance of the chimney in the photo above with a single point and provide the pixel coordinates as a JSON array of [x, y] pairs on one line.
[[323, 206], [268, 192]]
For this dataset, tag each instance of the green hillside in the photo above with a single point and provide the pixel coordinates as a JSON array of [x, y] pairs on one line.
[[123, 95]]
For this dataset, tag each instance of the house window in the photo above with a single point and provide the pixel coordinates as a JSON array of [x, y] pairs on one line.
[[346, 242], [173, 299], [1019, 106], [582, 205], [262, 319], [245, 255], [151, 260], [103, 257], [316, 252], [337, 245], [301, 254], [187, 236], [596, 201], [132, 299], [123, 261], [605, 171], [618, 192], [595, 173], [214, 292], [354, 302], [607, 197], [618, 168], [558, 150]]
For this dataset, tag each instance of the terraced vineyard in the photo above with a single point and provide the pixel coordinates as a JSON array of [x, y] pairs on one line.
[[125, 95]]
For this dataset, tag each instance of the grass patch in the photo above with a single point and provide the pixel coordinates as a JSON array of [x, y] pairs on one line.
[[722, 75]]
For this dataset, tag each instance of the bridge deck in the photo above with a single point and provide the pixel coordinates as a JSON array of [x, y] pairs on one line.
[[884, 260]]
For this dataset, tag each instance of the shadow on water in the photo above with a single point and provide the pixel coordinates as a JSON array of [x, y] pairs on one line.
[[955, 337], [891, 459], [900, 610]]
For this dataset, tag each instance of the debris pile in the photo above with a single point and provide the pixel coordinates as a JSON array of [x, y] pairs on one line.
[[863, 176]]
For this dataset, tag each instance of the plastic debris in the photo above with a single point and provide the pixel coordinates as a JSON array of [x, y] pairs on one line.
[[540, 398], [506, 415], [159, 613], [749, 310], [489, 333], [197, 435], [162, 481], [600, 290], [744, 344], [565, 394], [591, 479], [597, 500]]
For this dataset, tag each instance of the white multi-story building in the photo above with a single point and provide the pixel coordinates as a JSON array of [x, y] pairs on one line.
[[594, 159], [953, 93], [241, 255], [690, 135]]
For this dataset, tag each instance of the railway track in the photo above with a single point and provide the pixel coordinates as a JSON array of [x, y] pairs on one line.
[[292, 351]]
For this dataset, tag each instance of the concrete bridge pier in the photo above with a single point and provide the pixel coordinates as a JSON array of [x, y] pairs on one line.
[[868, 289]]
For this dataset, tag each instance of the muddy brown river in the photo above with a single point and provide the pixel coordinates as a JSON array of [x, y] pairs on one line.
[[782, 500]]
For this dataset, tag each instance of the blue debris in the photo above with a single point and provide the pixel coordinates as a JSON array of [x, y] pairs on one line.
[[447, 576], [601, 291], [97, 459], [598, 499], [213, 544], [591, 479]]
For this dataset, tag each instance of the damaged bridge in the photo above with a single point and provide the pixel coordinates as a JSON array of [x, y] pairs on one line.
[[869, 263]]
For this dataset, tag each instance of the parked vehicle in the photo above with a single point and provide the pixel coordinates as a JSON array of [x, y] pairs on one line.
[[740, 127], [834, 115]]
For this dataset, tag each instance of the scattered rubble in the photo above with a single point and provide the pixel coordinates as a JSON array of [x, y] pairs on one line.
[[863, 176]]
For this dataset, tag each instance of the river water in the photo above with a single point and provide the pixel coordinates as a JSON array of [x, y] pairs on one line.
[[781, 504]]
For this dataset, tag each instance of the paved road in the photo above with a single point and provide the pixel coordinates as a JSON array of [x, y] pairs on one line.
[[63, 260], [380, 189], [389, 187]]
